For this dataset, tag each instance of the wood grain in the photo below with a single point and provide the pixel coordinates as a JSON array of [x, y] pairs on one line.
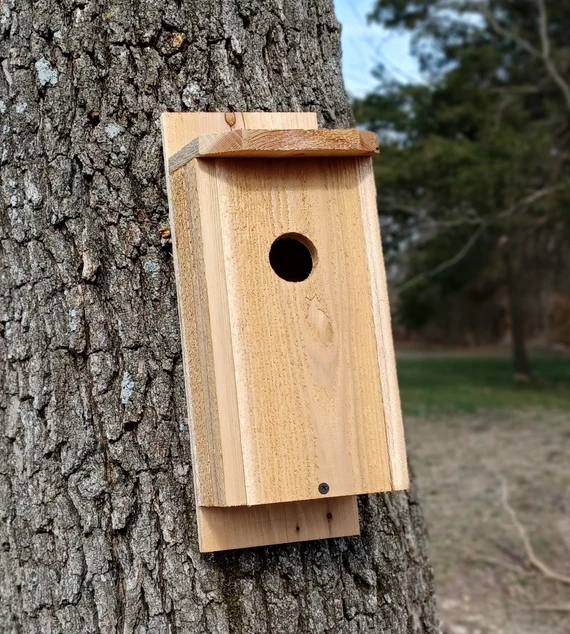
[[233, 527], [383, 328], [204, 322], [247, 526], [181, 128], [197, 342], [278, 144], [305, 354]]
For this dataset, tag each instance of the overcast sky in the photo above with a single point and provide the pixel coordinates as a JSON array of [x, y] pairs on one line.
[[364, 46]]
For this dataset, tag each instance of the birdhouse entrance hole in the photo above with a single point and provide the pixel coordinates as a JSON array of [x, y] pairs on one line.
[[292, 257]]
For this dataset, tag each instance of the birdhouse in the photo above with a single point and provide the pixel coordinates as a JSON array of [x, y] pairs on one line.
[[293, 401]]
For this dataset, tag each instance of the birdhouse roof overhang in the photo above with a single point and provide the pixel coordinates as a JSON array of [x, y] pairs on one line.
[[278, 144]]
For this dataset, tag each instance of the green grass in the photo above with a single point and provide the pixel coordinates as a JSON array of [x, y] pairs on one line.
[[440, 384]]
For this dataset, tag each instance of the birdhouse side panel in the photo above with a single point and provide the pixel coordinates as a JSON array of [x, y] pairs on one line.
[[209, 371], [382, 323], [195, 335], [229, 461]]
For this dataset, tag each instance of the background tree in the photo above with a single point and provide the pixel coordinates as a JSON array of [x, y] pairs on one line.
[[97, 527], [474, 174]]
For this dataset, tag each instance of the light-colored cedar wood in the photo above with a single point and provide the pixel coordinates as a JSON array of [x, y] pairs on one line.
[[278, 144], [230, 461], [204, 322], [382, 323], [181, 128], [196, 340], [306, 361], [297, 379], [232, 527], [247, 526]]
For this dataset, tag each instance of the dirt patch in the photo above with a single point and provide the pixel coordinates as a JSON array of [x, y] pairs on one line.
[[485, 583]]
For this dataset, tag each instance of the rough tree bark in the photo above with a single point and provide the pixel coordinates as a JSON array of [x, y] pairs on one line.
[[97, 531]]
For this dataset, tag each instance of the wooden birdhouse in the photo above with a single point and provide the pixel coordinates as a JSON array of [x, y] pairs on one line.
[[290, 373]]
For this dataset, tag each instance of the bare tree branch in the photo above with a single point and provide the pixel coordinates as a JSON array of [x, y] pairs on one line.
[[503, 31], [546, 53], [444, 265], [481, 8], [532, 556], [431, 224], [471, 220], [551, 608], [529, 200]]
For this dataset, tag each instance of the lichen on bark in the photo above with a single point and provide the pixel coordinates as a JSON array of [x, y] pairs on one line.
[[97, 528]]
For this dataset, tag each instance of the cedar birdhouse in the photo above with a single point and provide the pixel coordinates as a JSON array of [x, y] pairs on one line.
[[290, 373]]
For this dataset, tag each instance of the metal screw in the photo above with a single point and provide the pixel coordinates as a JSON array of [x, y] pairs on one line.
[[324, 488]]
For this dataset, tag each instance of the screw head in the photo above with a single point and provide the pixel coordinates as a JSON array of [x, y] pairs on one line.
[[324, 488]]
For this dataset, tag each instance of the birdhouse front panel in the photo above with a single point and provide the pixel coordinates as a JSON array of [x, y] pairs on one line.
[[306, 366]]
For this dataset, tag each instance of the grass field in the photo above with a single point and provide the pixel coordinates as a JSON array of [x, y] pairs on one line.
[[470, 428], [458, 383]]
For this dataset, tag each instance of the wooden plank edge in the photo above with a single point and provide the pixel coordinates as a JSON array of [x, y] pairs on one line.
[[383, 327], [187, 379], [226, 419], [231, 520], [278, 144], [271, 524]]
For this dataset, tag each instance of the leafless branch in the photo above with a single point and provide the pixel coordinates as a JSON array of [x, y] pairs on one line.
[[529, 200], [491, 561], [504, 32], [402, 207], [476, 6], [434, 225], [444, 265], [546, 52], [531, 554], [474, 219], [551, 608]]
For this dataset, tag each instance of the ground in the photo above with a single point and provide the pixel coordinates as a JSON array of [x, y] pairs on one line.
[[489, 432]]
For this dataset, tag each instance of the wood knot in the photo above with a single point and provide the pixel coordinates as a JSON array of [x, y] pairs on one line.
[[231, 119]]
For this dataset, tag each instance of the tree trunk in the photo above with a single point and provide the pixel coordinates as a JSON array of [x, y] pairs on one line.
[[521, 363], [97, 527]]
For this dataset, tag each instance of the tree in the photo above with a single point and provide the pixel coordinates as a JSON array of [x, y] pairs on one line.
[[475, 167], [97, 523]]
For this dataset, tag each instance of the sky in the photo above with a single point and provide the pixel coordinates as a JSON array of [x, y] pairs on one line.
[[364, 46]]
